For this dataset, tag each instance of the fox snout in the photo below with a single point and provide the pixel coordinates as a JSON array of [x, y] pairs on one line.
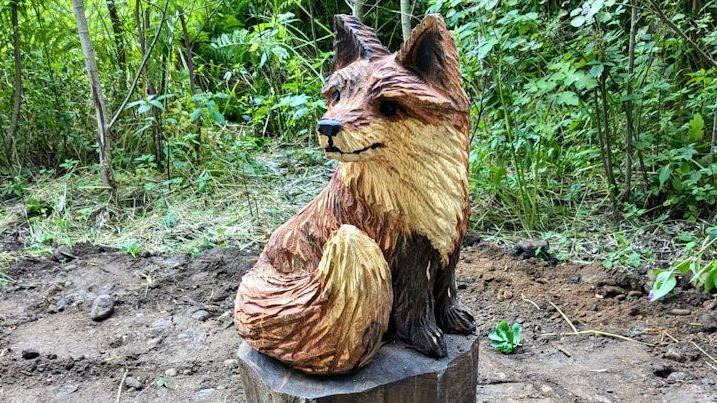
[[328, 127]]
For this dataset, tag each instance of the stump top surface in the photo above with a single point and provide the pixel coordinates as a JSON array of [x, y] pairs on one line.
[[394, 362]]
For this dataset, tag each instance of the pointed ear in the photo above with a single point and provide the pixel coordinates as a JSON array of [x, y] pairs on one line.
[[430, 52], [354, 41]]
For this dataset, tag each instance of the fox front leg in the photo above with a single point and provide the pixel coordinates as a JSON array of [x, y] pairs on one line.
[[413, 268], [451, 315]]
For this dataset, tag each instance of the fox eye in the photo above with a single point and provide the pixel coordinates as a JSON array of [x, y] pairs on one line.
[[388, 108], [336, 96]]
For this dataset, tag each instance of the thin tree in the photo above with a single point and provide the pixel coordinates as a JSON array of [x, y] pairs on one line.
[[406, 14], [117, 33], [629, 133], [11, 135], [357, 9], [103, 138], [713, 144]]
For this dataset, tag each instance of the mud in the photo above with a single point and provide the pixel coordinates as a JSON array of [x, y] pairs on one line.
[[171, 338]]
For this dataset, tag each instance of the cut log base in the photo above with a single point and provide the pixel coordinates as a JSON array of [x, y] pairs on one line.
[[397, 374]]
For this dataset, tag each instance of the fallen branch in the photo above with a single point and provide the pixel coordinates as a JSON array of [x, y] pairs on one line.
[[704, 352], [531, 301], [597, 333], [119, 391], [575, 330], [593, 332]]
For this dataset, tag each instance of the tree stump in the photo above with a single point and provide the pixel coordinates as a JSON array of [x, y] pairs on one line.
[[396, 374]]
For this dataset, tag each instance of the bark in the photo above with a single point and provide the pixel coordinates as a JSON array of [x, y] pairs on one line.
[[406, 18], [11, 135], [117, 33], [629, 133], [103, 138]]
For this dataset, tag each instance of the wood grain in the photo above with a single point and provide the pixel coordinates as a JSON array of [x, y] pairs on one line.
[[374, 253]]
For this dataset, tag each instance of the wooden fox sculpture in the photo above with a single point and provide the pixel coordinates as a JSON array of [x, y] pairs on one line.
[[373, 256]]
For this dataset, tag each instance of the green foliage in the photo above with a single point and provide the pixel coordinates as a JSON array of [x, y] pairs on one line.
[[132, 247], [506, 338], [700, 265], [547, 82]]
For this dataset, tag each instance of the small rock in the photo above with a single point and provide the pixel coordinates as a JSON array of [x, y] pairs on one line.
[[67, 389], [200, 315], [529, 248], [102, 308], [171, 372], [675, 355], [680, 312], [634, 311], [546, 389], [635, 294], [133, 383], [230, 362], [709, 322], [677, 377], [62, 253], [504, 295], [145, 254], [712, 304], [30, 353], [612, 291], [69, 267]]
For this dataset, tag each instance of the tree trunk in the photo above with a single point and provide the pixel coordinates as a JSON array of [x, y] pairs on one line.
[[11, 136], [713, 146], [117, 33], [192, 78], [151, 90], [629, 134], [406, 13], [187, 51], [604, 153], [357, 9], [103, 138]]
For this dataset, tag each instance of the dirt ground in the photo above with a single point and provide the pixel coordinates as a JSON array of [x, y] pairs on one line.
[[171, 336]]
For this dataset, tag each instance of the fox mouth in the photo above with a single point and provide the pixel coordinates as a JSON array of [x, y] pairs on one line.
[[333, 149]]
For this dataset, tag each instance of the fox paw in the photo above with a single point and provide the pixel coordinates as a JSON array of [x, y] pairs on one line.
[[428, 339], [455, 318]]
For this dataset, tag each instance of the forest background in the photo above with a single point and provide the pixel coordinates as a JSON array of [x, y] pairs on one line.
[[180, 125]]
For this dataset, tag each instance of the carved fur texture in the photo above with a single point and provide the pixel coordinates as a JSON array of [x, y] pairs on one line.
[[372, 257]]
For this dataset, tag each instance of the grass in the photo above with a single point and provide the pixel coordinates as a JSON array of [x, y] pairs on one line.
[[220, 210], [164, 218]]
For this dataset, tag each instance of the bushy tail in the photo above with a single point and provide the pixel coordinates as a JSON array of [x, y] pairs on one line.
[[330, 320]]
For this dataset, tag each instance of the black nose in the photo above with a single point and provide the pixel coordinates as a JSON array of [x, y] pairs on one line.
[[328, 127]]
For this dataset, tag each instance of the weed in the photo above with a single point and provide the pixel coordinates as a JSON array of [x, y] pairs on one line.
[[506, 338]]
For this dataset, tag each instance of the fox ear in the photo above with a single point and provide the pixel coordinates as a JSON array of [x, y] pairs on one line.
[[430, 52], [354, 41]]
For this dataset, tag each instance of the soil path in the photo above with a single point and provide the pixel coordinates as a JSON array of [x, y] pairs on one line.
[[171, 336]]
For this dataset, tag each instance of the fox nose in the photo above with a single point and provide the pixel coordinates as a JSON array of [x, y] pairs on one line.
[[328, 127]]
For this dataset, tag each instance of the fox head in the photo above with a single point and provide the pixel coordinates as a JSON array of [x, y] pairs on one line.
[[381, 104]]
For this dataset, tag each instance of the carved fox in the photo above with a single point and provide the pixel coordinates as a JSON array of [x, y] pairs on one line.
[[373, 256]]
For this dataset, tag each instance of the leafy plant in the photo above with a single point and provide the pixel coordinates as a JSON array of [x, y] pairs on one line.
[[506, 338], [132, 247], [703, 272]]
